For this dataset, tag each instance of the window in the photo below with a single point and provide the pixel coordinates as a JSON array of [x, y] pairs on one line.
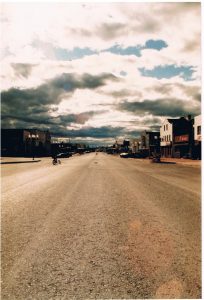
[[166, 126], [199, 130], [169, 138]]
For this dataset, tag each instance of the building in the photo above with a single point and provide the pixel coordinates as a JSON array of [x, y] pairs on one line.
[[57, 148], [166, 138], [25, 142], [135, 145], [197, 137], [150, 142], [177, 137]]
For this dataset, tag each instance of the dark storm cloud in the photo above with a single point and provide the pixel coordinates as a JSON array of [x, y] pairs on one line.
[[44, 118], [161, 107], [94, 132], [32, 108], [51, 91], [79, 118], [37, 102], [22, 69], [69, 82], [62, 131], [11, 119]]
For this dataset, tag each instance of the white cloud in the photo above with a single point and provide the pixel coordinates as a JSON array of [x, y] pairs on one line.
[[33, 32]]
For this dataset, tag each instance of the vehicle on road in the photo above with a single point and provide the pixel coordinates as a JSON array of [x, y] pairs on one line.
[[64, 155], [132, 155], [137, 155], [56, 161], [124, 155]]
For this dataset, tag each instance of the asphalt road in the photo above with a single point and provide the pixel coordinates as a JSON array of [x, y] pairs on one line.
[[100, 227]]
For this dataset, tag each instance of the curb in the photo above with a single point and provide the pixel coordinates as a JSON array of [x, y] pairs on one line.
[[19, 162]]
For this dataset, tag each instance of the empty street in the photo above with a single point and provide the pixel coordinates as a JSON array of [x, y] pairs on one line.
[[100, 227]]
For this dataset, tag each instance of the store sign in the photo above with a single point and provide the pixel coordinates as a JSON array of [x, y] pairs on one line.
[[182, 138]]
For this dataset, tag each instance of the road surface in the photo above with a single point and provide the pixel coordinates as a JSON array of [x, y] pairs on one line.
[[100, 227]]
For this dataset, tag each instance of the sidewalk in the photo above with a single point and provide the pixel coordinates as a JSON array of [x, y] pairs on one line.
[[17, 160], [183, 161]]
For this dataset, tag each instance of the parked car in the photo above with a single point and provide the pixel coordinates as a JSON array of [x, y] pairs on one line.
[[124, 155], [64, 155], [137, 155]]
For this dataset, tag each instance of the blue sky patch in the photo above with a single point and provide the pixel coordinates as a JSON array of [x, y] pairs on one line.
[[76, 53], [155, 44], [117, 49], [168, 71]]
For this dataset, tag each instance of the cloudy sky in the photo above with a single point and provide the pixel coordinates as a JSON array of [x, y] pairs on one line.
[[95, 72]]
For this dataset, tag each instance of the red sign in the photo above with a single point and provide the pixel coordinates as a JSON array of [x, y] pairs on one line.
[[181, 138]]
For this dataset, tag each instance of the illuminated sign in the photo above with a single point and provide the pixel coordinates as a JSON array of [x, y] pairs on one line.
[[181, 138]]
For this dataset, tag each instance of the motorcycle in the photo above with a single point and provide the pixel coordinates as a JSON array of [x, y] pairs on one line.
[[56, 161]]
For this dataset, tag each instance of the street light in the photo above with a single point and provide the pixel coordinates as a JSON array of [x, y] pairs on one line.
[[33, 138]]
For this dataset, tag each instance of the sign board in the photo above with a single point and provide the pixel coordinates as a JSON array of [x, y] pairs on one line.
[[181, 138]]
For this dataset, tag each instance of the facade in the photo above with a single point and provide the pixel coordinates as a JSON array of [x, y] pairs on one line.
[[25, 142], [197, 137], [62, 147], [135, 145], [121, 146], [166, 136], [183, 137], [150, 142], [177, 138]]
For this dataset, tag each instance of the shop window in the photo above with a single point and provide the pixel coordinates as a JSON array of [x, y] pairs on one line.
[[199, 130]]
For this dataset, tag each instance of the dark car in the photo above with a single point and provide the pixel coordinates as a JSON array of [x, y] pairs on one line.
[[64, 155], [124, 155], [137, 155]]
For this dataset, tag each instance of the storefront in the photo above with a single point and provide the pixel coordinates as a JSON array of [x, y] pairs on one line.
[[182, 146]]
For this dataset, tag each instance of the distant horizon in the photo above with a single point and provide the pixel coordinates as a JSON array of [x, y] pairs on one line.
[[98, 143]]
